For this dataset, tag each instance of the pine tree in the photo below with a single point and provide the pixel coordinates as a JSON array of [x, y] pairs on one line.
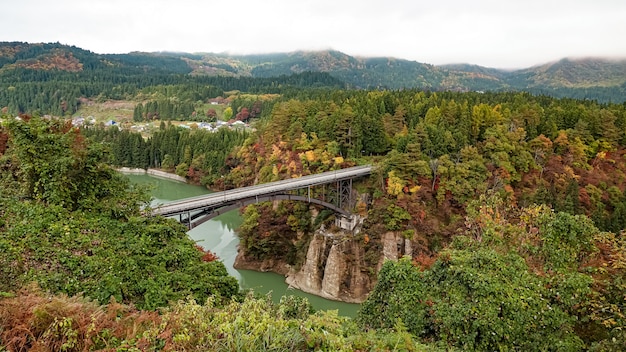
[[138, 113]]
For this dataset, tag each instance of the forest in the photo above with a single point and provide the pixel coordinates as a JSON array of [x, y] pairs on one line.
[[479, 182], [442, 149], [515, 205], [60, 93], [52, 78], [84, 269]]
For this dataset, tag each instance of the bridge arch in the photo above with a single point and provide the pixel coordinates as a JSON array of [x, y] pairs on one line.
[[194, 219]]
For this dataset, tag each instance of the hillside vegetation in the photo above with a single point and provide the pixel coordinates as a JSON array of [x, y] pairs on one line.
[[82, 268], [513, 205], [71, 224], [591, 78], [477, 183]]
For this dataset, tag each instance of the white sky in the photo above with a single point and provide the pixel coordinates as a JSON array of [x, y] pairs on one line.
[[493, 33]]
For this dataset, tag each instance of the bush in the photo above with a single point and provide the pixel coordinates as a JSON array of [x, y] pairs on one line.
[[472, 300]]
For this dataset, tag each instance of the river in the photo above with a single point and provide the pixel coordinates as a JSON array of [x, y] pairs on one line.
[[220, 237]]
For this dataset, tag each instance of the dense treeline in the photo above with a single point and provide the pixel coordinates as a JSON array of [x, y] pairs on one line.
[[197, 154], [600, 94], [171, 110], [59, 92], [241, 107], [454, 146]]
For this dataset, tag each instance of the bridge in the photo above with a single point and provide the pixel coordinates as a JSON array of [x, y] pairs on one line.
[[197, 210]]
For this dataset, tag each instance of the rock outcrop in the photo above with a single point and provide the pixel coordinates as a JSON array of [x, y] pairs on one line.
[[335, 266]]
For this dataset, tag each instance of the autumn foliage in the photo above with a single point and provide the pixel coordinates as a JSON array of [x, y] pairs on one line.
[[207, 255], [56, 60], [35, 321]]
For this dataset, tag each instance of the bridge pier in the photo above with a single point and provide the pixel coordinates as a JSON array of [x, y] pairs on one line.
[[349, 223]]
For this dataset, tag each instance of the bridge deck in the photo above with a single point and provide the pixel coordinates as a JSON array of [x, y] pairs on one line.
[[233, 195]]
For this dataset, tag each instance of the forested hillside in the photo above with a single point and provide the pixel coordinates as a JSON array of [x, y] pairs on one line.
[[110, 76], [590, 78], [56, 79], [513, 206], [71, 224], [521, 181]]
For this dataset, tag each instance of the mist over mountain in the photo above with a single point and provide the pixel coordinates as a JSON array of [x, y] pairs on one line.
[[586, 78]]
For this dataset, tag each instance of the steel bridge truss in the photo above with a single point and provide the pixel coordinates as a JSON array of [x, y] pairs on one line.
[[336, 196]]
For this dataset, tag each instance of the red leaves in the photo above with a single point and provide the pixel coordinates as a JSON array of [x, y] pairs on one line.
[[243, 115], [207, 255], [33, 321], [424, 261]]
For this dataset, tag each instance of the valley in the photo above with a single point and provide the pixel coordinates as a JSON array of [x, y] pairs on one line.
[[493, 218]]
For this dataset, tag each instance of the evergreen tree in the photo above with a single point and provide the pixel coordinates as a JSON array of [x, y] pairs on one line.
[[138, 113]]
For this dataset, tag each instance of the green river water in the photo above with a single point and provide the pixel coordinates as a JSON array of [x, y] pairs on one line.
[[219, 235]]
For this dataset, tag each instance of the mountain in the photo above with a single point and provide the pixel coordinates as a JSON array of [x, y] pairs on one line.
[[55, 56], [581, 73], [586, 78], [589, 78]]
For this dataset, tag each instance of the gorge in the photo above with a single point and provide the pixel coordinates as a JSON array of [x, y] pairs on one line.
[[219, 235]]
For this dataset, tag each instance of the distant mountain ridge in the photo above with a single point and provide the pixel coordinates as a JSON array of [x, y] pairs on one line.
[[580, 72], [591, 78]]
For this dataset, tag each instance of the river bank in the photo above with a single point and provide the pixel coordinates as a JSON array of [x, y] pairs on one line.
[[153, 172]]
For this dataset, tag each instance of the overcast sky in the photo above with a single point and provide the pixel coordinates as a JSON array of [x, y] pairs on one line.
[[493, 33]]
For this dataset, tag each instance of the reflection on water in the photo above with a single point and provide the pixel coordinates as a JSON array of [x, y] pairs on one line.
[[219, 236]]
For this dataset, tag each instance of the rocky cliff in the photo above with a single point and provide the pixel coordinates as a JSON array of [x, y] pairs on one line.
[[335, 266]]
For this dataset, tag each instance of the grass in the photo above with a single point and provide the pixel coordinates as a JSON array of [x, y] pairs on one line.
[[119, 110]]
